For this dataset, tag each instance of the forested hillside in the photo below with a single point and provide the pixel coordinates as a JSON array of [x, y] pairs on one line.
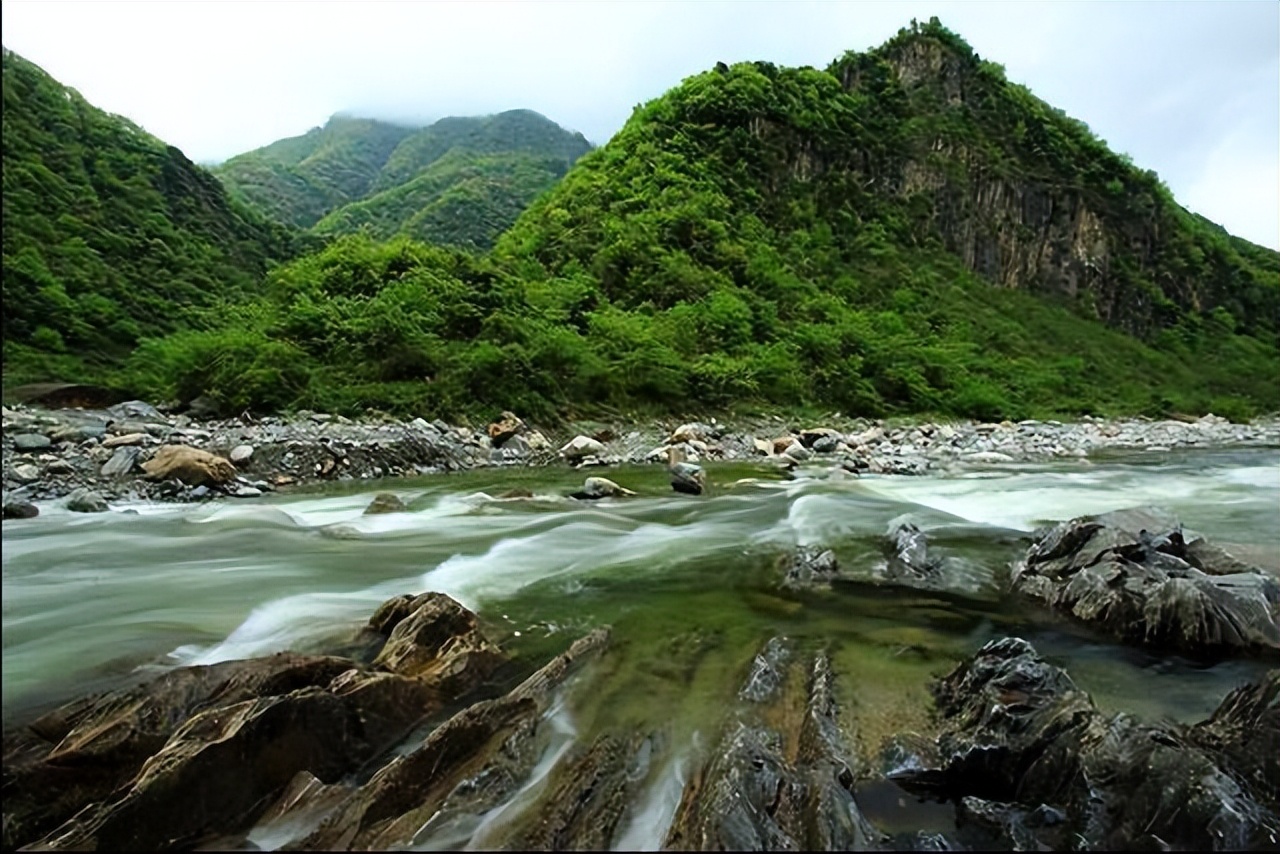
[[109, 234], [904, 231], [459, 181]]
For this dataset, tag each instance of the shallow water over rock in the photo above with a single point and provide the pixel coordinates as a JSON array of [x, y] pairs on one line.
[[693, 588]]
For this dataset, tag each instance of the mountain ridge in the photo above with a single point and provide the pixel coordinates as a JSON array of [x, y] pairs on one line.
[[351, 172]]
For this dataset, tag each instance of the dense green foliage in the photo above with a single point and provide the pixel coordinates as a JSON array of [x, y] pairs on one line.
[[460, 199], [109, 234], [852, 238], [459, 181]]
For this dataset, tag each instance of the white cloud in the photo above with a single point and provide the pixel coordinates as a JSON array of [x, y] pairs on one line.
[[1189, 89]]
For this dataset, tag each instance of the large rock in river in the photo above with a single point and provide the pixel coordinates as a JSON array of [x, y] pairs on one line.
[[1025, 754], [189, 465], [1140, 576]]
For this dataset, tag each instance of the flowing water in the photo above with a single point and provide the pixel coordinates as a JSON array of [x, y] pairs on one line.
[[689, 585]]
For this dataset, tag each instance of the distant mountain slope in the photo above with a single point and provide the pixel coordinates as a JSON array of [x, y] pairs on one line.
[[300, 179], [109, 234], [460, 181]]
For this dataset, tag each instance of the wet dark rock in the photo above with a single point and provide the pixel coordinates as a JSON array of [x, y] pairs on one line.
[[786, 788], [221, 767], [17, 508], [437, 642], [1030, 758], [810, 566], [592, 791], [386, 502], [80, 752], [826, 444], [1140, 576], [86, 501], [468, 764], [197, 755], [687, 478]]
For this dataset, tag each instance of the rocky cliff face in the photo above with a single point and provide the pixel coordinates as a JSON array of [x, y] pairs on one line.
[[1029, 199]]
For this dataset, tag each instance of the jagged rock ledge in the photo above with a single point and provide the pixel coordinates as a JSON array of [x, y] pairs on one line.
[[112, 453]]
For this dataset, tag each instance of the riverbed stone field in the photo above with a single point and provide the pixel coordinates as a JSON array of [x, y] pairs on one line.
[[88, 458]]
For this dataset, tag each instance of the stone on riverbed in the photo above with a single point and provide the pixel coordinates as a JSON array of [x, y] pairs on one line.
[[190, 465], [810, 566], [31, 442], [1140, 576], [86, 501], [121, 462], [26, 473], [581, 447]]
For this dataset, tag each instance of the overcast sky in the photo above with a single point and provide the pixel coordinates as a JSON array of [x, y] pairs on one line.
[[1189, 89]]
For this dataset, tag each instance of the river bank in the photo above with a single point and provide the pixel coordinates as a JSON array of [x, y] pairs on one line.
[[89, 459]]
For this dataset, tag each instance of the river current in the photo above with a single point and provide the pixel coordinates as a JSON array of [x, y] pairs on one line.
[[95, 601]]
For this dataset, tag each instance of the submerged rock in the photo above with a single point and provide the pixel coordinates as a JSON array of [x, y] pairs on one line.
[[1028, 756], [909, 554], [809, 566], [385, 502], [1140, 576]]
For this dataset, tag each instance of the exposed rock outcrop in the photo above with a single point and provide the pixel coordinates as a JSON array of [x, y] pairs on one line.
[[1026, 754], [1138, 575], [767, 789], [197, 754]]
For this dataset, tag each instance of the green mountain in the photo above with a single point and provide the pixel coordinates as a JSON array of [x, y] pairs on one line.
[[905, 231], [109, 234], [300, 179], [459, 181]]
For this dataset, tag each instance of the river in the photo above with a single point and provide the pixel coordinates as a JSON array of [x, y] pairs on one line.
[[92, 601]]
